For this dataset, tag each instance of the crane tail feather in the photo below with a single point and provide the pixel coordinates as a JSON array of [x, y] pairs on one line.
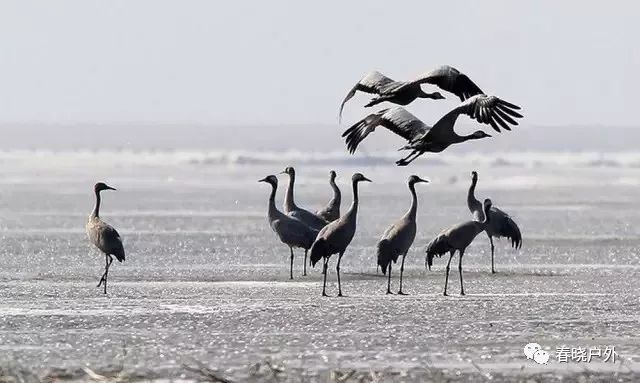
[[118, 252], [384, 254], [511, 230], [319, 250], [438, 246]]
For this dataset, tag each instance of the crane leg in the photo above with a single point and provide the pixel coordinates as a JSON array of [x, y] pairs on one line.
[[103, 280], [493, 248], [407, 160], [414, 157], [107, 275], [324, 271], [291, 267], [338, 272], [304, 273], [106, 260], [461, 254], [403, 161], [446, 277], [389, 280], [400, 292]]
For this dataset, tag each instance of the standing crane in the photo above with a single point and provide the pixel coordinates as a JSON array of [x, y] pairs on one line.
[[501, 224], [331, 212], [103, 236], [398, 238], [336, 236], [457, 237], [308, 218], [291, 231]]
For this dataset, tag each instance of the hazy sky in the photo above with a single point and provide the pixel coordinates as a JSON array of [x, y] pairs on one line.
[[240, 62]]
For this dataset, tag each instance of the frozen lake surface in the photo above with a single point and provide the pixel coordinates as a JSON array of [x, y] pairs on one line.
[[206, 281]]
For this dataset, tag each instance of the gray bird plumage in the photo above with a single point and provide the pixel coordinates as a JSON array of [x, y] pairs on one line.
[[457, 237], [308, 218], [397, 92], [451, 80], [501, 224], [291, 231], [103, 236], [398, 238], [422, 138], [331, 212], [336, 236]]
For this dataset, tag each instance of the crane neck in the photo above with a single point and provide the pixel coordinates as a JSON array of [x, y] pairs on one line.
[[337, 195], [289, 203], [458, 138], [273, 212], [354, 205], [472, 202], [428, 95], [414, 202], [484, 224], [96, 210], [486, 209]]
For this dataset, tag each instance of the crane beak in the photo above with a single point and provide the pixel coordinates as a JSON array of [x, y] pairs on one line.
[[263, 180], [366, 179], [423, 180], [110, 188], [283, 172]]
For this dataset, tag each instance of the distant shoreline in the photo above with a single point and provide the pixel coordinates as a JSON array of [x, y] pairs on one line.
[[299, 137]]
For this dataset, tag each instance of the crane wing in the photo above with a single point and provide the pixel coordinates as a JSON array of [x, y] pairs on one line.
[[505, 226], [374, 82], [108, 240], [451, 80], [291, 231], [396, 119], [438, 246], [331, 212], [307, 218], [485, 109]]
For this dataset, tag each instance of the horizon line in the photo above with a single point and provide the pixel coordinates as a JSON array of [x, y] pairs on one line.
[[133, 124]]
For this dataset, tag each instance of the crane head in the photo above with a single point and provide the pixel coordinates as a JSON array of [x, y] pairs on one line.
[[433, 96], [359, 177], [487, 205], [414, 179], [100, 186], [474, 175], [270, 179], [332, 175], [480, 134], [288, 170]]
